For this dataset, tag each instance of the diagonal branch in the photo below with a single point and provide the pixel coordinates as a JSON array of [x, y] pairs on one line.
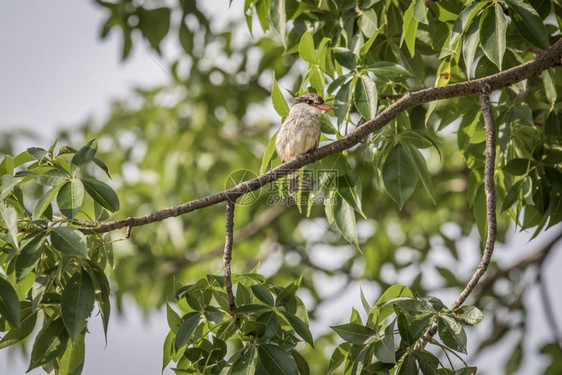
[[550, 58], [227, 256]]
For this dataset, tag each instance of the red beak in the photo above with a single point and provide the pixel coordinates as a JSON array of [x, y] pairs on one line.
[[325, 107]]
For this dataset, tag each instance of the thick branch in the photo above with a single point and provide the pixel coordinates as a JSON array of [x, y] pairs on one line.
[[550, 58], [227, 257]]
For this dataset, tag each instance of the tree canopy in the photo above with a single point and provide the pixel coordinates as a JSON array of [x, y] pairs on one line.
[[447, 128]]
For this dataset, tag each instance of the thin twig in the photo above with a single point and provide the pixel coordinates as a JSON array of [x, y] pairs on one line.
[[490, 192], [128, 233], [550, 58], [227, 257]]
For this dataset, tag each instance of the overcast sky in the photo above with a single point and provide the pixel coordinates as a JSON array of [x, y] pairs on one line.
[[55, 72]]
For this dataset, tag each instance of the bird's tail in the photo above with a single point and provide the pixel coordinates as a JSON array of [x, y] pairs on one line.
[[294, 182]]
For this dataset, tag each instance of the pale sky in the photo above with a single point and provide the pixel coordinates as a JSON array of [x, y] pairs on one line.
[[55, 72]]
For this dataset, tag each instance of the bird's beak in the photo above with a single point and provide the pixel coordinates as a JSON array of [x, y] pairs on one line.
[[325, 107]]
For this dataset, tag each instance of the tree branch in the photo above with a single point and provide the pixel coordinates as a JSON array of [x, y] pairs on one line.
[[550, 58], [490, 191], [227, 257]]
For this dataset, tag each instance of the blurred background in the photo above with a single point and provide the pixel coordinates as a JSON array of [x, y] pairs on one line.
[[162, 129]]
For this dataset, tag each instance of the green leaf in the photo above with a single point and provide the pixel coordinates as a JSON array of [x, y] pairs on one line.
[[306, 48], [9, 303], [85, 154], [251, 308], [173, 319], [10, 217], [344, 216], [364, 302], [549, 83], [393, 292], [186, 38], [72, 360], [345, 57], [8, 184], [493, 27], [30, 252], [243, 296], [271, 324], [278, 18], [464, 21], [469, 315], [268, 154], [421, 170], [512, 196], [154, 24], [338, 357], [101, 193], [427, 361], [69, 241], [22, 158], [168, 349], [471, 40], [528, 23], [279, 103], [276, 361], [37, 152], [25, 327], [262, 9], [399, 175], [45, 201], [384, 347], [300, 327], [354, 333], [77, 303], [102, 166], [302, 364], [263, 294], [247, 363], [187, 329], [451, 333], [517, 166], [52, 177], [342, 101], [390, 70], [366, 97], [288, 293], [51, 342], [368, 22], [101, 285], [70, 198], [408, 366], [409, 30], [420, 11]]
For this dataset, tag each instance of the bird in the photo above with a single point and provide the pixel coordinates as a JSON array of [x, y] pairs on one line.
[[300, 132]]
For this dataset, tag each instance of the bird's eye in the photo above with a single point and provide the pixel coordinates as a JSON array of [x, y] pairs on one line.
[[309, 102]]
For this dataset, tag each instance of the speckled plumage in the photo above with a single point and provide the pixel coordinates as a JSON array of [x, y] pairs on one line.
[[300, 132]]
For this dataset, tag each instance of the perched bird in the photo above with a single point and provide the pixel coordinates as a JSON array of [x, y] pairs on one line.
[[300, 132]]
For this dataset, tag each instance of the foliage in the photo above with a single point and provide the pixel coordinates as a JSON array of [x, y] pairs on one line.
[[404, 185]]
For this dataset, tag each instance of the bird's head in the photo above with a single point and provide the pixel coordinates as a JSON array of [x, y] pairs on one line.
[[313, 100]]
